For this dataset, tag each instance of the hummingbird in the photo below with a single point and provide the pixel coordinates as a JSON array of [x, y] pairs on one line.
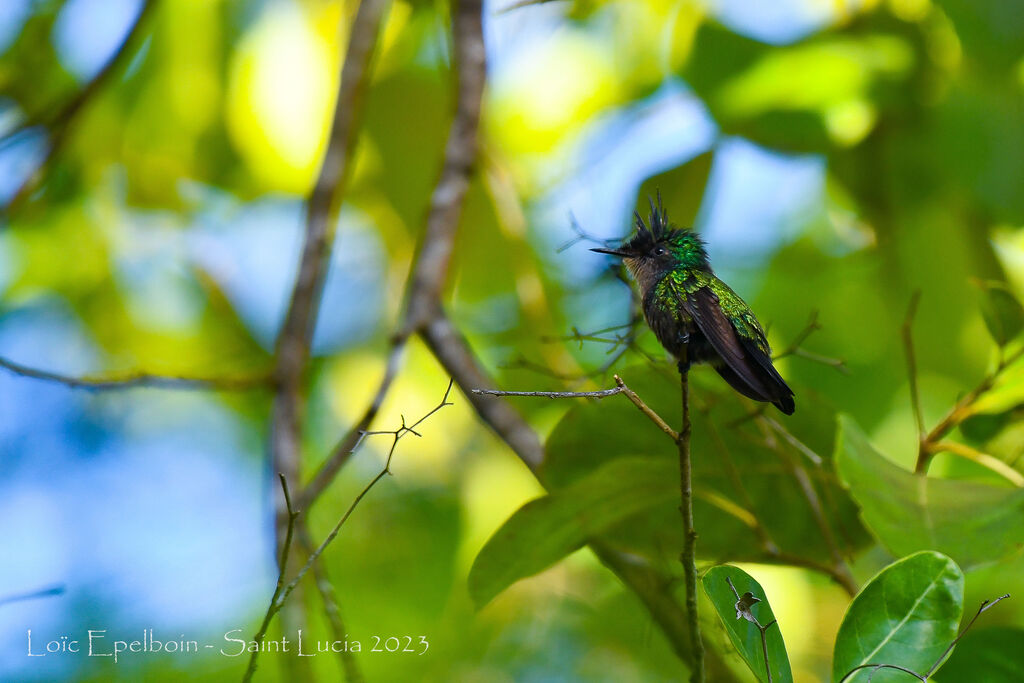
[[696, 316]]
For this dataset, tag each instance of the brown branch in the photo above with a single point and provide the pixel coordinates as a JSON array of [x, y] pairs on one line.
[[294, 340], [908, 347], [286, 547], [140, 379], [281, 594], [60, 123], [688, 558], [931, 442], [331, 610], [460, 155], [840, 570]]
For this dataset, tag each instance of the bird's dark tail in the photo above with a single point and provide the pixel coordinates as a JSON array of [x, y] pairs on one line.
[[759, 383]]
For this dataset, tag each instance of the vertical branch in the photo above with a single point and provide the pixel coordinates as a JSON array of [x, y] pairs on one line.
[[331, 609], [689, 554], [911, 363], [295, 338]]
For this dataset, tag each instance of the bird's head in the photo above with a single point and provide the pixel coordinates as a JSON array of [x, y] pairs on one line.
[[658, 247]]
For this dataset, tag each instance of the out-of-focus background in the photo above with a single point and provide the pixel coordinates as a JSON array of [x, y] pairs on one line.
[[836, 155]]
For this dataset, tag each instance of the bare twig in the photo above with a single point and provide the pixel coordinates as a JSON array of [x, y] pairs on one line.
[[281, 594], [620, 388], [795, 348], [985, 605], [688, 557], [140, 379], [938, 662], [604, 393], [32, 595], [330, 602], [294, 341], [840, 570], [931, 442], [908, 346], [283, 567], [60, 123]]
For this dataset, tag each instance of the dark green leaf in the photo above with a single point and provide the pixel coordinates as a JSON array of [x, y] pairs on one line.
[[1003, 313], [991, 655], [973, 523], [737, 617], [906, 616], [545, 530], [599, 432]]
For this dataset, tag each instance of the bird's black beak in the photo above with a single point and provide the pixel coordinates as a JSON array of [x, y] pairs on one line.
[[621, 253]]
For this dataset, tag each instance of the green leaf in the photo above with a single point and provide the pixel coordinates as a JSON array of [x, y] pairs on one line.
[[743, 633], [974, 523], [1003, 313], [906, 616], [991, 655], [547, 529], [592, 434]]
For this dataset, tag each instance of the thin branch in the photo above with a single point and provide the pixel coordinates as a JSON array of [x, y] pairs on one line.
[[60, 123], [961, 410], [32, 595], [281, 594], [604, 393], [842, 572], [908, 346], [140, 379], [938, 662], [331, 609], [985, 605], [795, 349], [460, 155], [688, 557], [621, 388], [294, 341], [984, 459], [283, 567], [649, 412]]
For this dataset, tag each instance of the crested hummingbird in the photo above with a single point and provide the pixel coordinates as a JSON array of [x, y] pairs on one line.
[[696, 316]]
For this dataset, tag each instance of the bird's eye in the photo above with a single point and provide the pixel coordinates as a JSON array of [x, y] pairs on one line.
[[660, 251]]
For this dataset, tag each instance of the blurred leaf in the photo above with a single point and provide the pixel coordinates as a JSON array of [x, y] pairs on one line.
[[973, 523], [1003, 313], [593, 434], [978, 429], [907, 615], [1005, 395], [682, 189], [545, 530], [744, 635], [991, 655]]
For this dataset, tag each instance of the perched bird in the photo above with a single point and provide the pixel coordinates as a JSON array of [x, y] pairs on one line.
[[696, 316]]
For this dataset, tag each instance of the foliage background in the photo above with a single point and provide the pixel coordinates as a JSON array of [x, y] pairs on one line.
[[837, 156]]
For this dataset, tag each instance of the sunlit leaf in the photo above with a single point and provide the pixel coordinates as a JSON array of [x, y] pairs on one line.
[[736, 615], [1002, 311], [545, 530], [973, 523], [907, 616]]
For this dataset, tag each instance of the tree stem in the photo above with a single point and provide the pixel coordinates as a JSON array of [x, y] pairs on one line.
[[689, 554]]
